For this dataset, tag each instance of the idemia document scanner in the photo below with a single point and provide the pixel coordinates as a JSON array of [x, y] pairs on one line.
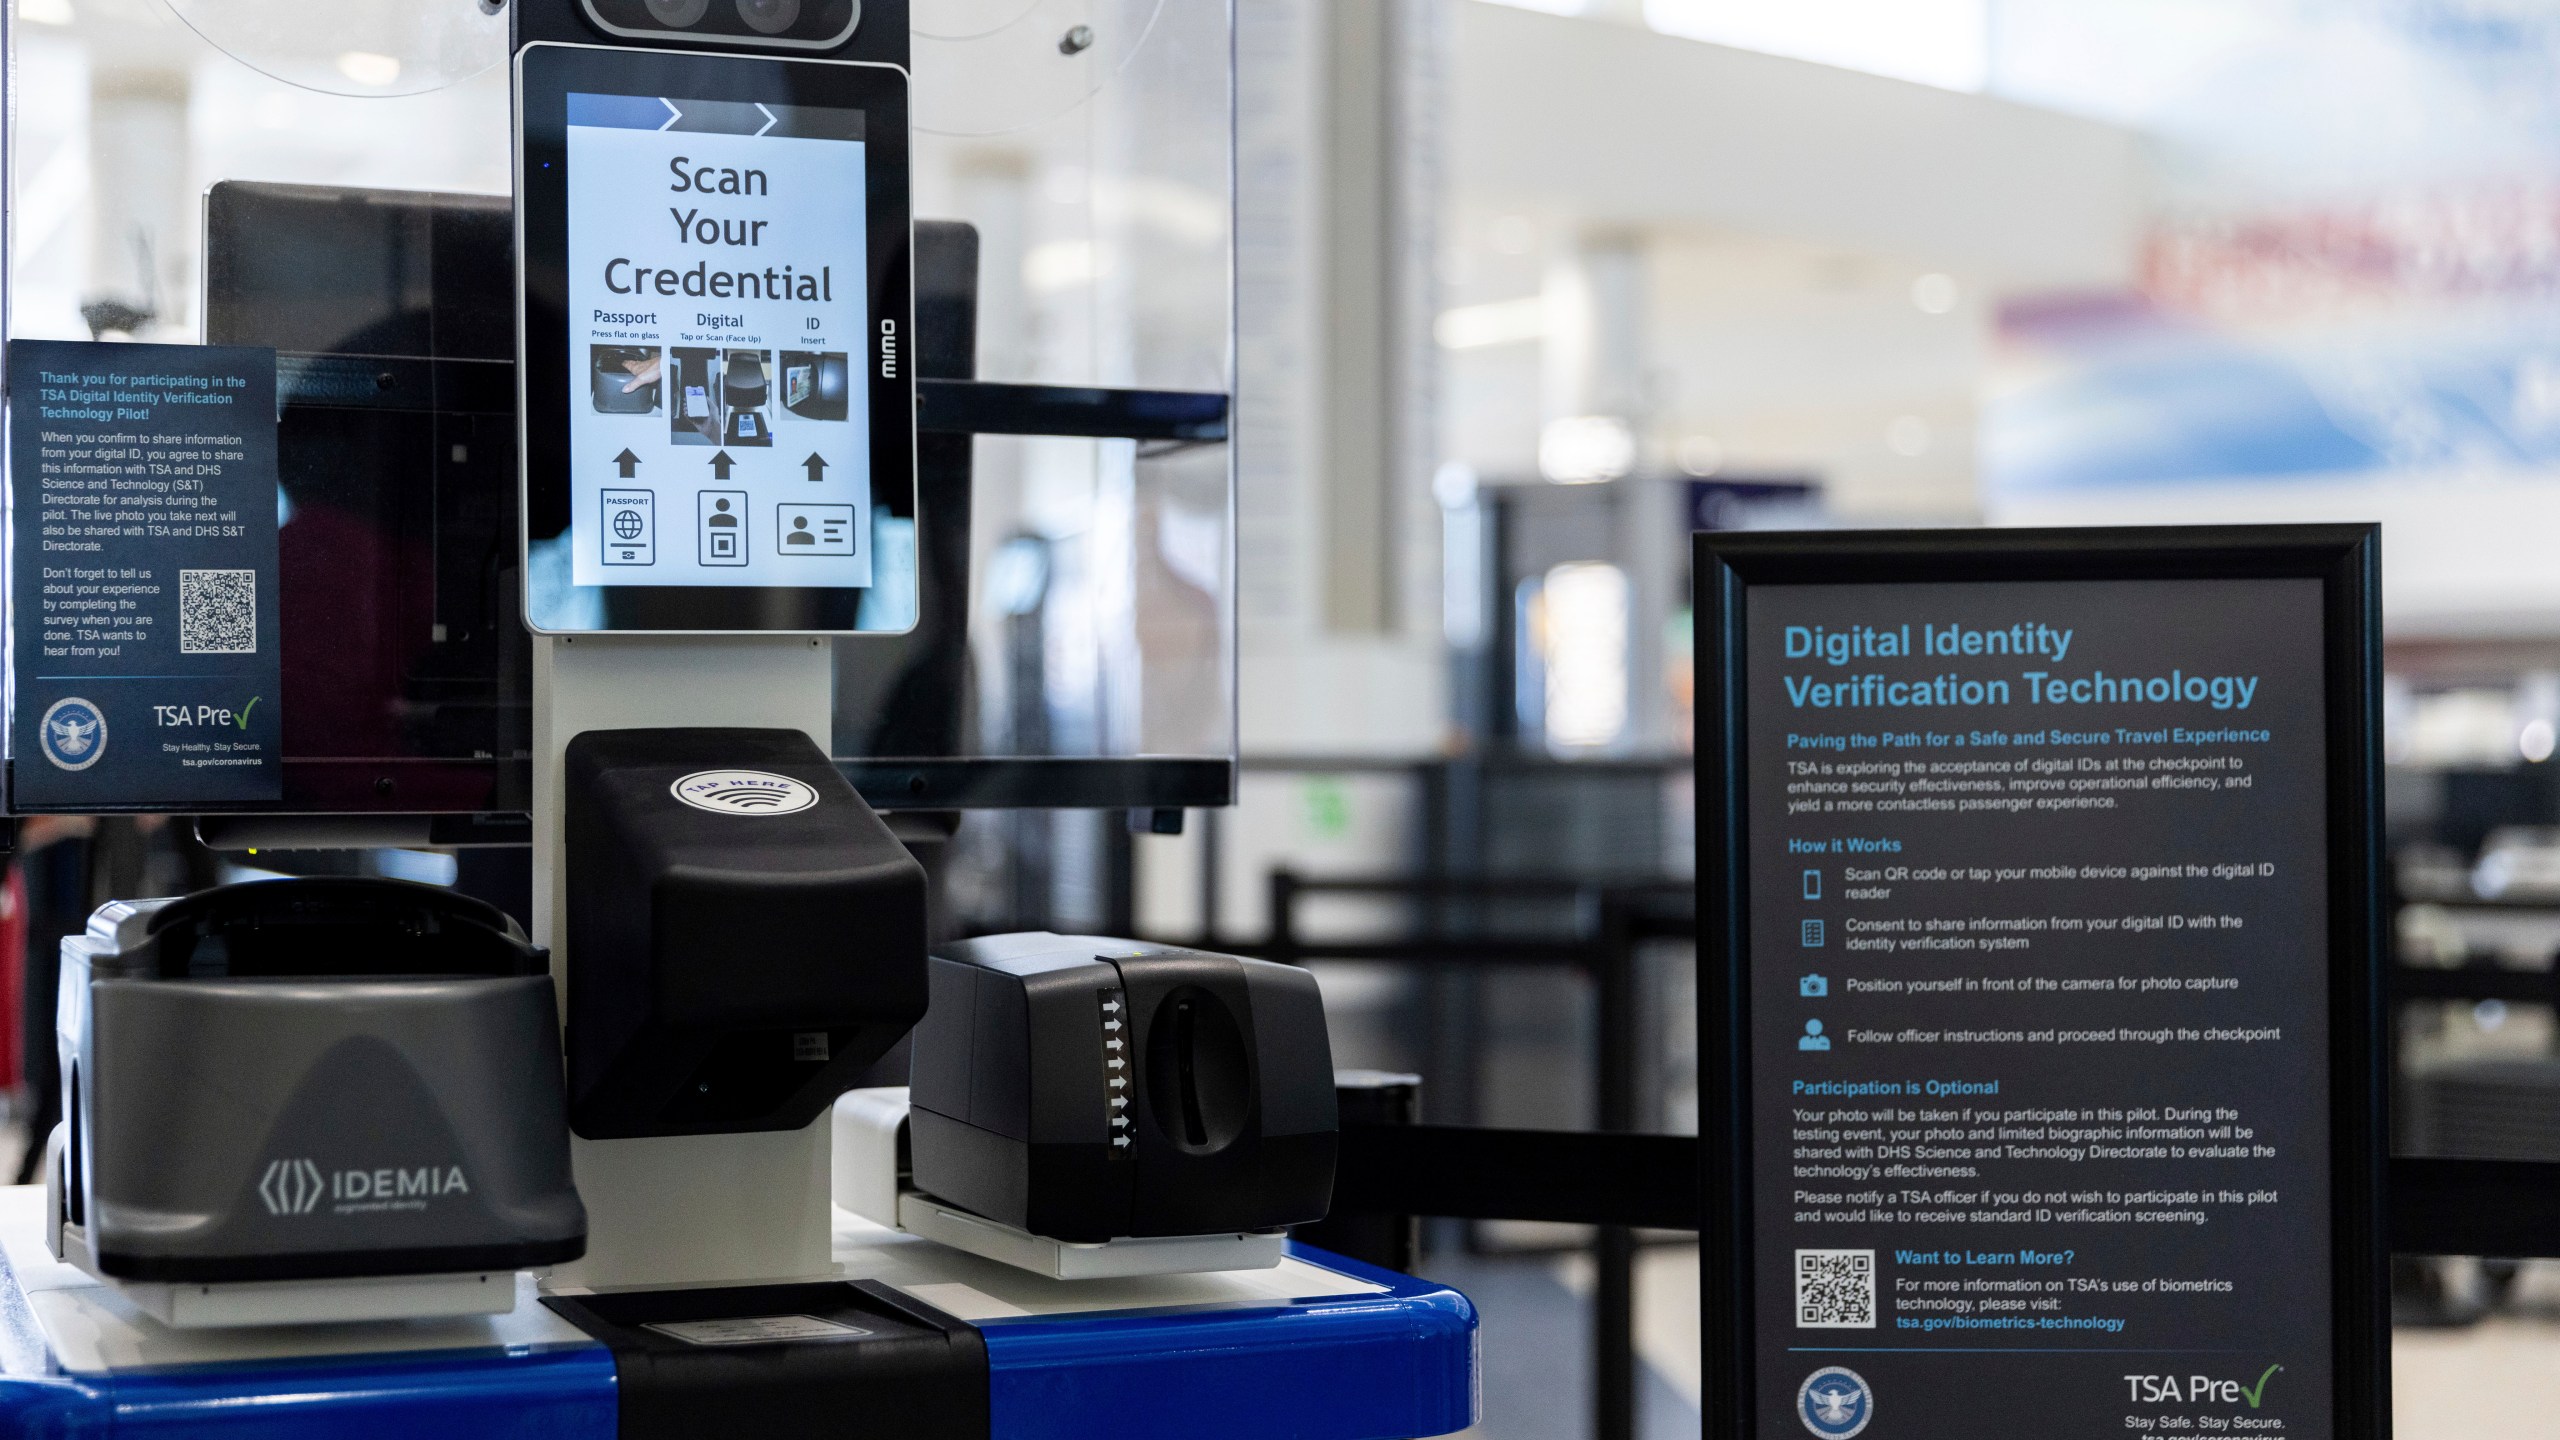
[[310, 1100]]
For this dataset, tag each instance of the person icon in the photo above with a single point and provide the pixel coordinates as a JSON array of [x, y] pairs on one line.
[[799, 532], [722, 520], [1813, 1038]]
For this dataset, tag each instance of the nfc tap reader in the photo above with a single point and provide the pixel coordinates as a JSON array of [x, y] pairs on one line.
[[745, 935]]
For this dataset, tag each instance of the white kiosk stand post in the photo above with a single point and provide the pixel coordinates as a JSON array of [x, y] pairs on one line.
[[679, 1209]]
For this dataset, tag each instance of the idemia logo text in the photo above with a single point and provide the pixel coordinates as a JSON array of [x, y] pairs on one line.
[[297, 1187]]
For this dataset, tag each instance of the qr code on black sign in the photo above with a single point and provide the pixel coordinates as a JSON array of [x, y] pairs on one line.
[[218, 612], [1835, 1289]]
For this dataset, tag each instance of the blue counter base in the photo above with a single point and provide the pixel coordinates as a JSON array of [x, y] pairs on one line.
[[543, 1395], [1376, 1356], [1382, 1368]]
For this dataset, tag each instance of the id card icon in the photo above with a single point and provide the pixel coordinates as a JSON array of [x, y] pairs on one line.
[[630, 521], [814, 530]]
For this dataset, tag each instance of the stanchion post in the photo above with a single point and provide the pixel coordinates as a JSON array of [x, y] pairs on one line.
[[1368, 1099], [1609, 924], [1284, 916]]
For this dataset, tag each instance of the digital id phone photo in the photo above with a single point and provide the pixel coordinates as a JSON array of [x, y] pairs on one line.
[[684, 220]]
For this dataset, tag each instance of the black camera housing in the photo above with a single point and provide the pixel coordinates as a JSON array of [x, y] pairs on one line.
[[872, 30]]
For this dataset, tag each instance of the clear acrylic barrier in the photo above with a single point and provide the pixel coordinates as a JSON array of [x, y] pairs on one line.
[[1088, 143], [354, 47], [1101, 620]]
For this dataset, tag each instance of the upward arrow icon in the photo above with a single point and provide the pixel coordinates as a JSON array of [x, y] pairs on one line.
[[627, 461], [720, 464], [817, 467]]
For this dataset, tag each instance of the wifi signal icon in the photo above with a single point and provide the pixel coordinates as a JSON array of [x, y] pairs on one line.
[[744, 799], [743, 792]]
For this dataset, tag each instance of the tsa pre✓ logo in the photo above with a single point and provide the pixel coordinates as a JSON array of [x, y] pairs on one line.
[[73, 734], [1834, 1403]]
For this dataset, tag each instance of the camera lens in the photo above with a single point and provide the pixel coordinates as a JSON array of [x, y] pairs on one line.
[[678, 14], [769, 17]]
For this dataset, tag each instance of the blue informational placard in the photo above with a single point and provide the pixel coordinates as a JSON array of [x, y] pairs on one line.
[[2041, 941], [143, 576]]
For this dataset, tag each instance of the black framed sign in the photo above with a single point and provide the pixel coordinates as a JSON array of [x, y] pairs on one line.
[[2040, 983]]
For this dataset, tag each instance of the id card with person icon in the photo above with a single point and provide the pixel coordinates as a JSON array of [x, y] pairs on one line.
[[814, 530]]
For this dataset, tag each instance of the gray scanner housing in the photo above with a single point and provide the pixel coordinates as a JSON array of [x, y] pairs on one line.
[[301, 1079]]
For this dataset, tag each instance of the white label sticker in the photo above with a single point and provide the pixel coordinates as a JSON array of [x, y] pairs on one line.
[[757, 1330], [743, 792]]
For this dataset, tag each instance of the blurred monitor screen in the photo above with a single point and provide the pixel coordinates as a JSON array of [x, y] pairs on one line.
[[407, 683]]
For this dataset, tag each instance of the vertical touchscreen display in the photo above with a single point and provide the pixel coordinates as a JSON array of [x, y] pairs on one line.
[[717, 314]]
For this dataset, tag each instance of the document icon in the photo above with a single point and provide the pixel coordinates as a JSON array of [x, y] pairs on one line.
[[1813, 934], [630, 527]]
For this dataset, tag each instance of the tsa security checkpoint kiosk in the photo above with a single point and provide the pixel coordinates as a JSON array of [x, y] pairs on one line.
[[632, 494]]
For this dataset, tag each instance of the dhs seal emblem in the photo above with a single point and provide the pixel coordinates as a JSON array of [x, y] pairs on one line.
[[73, 734], [1834, 1403]]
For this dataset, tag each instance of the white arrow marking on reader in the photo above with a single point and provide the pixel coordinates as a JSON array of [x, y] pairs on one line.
[[1110, 1024], [1119, 1084], [770, 119], [673, 114], [1119, 1141], [1108, 1006]]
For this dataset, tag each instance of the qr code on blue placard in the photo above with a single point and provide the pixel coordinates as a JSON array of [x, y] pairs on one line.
[[1835, 1289], [218, 612]]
